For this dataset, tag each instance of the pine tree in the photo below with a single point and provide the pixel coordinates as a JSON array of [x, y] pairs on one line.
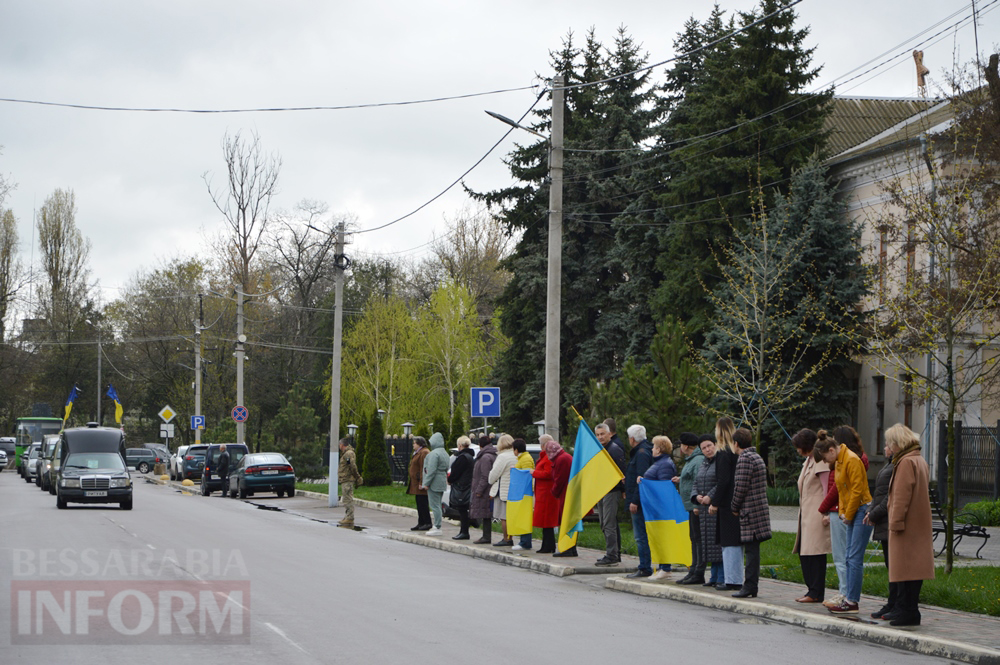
[[361, 442], [376, 460], [740, 115]]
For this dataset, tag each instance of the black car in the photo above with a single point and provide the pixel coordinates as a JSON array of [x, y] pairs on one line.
[[210, 481], [94, 477], [141, 459]]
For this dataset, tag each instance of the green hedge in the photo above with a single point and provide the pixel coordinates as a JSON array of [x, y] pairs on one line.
[[783, 496], [987, 512]]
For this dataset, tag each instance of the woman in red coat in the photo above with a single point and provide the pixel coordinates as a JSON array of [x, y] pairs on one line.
[[547, 508], [562, 466]]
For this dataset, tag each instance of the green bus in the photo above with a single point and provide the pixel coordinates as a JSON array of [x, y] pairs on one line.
[[32, 430]]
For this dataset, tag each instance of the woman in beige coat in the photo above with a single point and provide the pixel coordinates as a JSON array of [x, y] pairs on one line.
[[911, 548], [500, 478], [812, 539]]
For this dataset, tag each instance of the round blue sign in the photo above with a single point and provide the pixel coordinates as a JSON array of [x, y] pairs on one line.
[[240, 414]]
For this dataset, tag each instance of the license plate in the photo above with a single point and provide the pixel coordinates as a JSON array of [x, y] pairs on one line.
[[95, 493], [269, 472]]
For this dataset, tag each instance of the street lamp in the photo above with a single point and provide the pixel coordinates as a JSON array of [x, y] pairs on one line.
[[553, 297], [407, 429], [351, 429], [381, 412], [90, 323], [540, 424]]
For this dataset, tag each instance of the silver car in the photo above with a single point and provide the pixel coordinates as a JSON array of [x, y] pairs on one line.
[[176, 470]]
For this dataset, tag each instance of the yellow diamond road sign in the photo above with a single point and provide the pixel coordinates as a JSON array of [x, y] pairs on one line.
[[167, 414]]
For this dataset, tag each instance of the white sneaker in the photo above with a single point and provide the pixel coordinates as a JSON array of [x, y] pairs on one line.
[[835, 601], [518, 548], [433, 532], [660, 575]]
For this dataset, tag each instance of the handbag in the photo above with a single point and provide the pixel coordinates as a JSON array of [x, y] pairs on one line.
[[460, 497]]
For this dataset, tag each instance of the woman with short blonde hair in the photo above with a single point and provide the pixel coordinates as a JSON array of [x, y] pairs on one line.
[[663, 444], [500, 478]]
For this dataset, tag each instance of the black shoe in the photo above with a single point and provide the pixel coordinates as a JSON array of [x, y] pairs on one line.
[[421, 527], [692, 580], [605, 561], [504, 543], [481, 541], [544, 551], [906, 620], [880, 614], [461, 536], [709, 583], [570, 552], [640, 573], [744, 592]]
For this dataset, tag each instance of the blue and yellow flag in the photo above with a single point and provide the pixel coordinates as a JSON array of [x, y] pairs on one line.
[[591, 477], [520, 503], [113, 394], [69, 403], [666, 522]]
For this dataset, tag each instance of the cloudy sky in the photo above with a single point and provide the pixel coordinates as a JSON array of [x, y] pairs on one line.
[[137, 176]]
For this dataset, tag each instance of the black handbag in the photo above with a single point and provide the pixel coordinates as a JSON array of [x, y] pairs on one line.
[[460, 497]]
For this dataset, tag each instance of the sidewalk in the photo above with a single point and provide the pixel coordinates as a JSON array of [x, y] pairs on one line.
[[960, 636]]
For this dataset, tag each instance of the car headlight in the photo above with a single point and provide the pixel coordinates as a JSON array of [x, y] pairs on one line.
[[119, 482], [70, 482]]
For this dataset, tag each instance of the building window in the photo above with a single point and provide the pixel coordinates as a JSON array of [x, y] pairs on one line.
[[879, 414], [907, 382]]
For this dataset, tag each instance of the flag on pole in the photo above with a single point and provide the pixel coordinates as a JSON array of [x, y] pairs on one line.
[[591, 477], [69, 403], [520, 503], [666, 522], [113, 394]]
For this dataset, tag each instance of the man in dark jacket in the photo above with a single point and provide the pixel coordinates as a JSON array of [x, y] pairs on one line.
[[607, 508], [222, 469], [642, 457]]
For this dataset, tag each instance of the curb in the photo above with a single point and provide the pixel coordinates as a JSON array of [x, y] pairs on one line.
[[896, 639]]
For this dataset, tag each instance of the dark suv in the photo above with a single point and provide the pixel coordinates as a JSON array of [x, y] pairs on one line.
[[193, 464], [210, 481], [141, 459]]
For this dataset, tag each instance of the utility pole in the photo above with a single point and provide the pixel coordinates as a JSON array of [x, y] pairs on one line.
[[99, 377], [340, 264], [197, 366], [240, 340], [553, 300]]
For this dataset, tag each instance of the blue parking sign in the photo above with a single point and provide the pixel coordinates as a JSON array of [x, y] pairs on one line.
[[197, 422], [485, 402]]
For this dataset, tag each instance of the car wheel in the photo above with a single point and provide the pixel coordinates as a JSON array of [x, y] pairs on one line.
[[291, 492], [281, 494], [232, 494], [143, 467], [243, 492], [52, 489], [204, 487], [126, 505], [60, 502]]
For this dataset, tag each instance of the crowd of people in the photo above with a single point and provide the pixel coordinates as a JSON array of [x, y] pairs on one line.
[[722, 483]]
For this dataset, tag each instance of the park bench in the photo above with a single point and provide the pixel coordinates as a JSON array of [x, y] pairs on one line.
[[971, 530]]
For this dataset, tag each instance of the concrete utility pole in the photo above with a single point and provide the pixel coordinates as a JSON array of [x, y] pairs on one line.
[[340, 264], [197, 367], [553, 300], [99, 395], [240, 340]]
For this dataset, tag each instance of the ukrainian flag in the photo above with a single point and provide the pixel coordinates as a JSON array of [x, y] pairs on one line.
[[666, 522], [69, 403], [520, 502], [113, 394], [591, 477]]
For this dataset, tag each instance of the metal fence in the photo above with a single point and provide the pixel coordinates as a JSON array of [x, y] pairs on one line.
[[977, 461]]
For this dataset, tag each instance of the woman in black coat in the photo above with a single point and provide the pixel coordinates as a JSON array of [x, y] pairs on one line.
[[460, 479], [878, 517], [701, 497], [730, 537]]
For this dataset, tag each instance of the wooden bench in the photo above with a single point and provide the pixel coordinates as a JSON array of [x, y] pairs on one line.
[[972, 530]]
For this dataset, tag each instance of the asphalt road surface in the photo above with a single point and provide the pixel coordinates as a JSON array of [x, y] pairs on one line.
[[95, 584]]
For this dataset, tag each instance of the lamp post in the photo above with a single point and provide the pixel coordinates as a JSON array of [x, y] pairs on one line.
[[90, 323], [553, 296], [540, 424], [381, 414]]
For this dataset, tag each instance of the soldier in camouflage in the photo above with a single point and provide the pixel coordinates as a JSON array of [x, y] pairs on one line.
[[348, 476]]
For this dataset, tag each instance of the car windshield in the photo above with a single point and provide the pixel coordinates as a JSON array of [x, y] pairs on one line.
[[33, 454], [235, 455], [94, 461], [196, 452], [267, 458]]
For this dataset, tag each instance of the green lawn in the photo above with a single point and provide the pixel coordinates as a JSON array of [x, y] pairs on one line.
[[966, 589]]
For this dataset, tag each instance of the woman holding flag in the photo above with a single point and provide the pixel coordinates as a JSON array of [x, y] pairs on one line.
[[547, 508], [662, 468]]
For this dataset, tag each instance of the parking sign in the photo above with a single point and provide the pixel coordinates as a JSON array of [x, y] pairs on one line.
[[485, 402], [197, 422]]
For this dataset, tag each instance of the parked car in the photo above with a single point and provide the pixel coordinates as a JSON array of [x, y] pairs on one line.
[[8, 445], [31, 462], [194, 462], [176, 462], [141, 459], [3, 460], [94, 477], [262, 472], [43, 478], [210, 481], [162, 449]]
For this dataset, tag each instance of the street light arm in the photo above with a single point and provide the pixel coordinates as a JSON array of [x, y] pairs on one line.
[[512, 123]]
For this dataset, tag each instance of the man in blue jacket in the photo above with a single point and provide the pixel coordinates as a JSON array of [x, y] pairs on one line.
[[642, 457]]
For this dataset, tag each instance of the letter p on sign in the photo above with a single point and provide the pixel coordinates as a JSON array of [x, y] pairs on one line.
[[485, 402]]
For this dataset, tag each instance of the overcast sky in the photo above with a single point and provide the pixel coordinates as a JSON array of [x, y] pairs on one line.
[[138, 176]]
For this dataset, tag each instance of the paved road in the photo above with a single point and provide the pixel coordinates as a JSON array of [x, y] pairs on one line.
[[320, 594]]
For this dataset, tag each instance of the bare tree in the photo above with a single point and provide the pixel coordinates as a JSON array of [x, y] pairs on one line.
[[65, 258], [252, 180], [11, 272]]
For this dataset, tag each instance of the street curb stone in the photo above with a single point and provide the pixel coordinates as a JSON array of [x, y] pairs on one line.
[[496, 556], [895, 638]]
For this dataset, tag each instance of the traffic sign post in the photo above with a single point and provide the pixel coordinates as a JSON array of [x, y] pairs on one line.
[[484, 403], [240, 414]]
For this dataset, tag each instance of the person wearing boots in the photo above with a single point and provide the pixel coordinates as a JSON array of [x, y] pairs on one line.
[[693, 459], [546, 513], [878, 518], [348, 476], [460, 479], [416, 487], [482, 502], [750, 505]]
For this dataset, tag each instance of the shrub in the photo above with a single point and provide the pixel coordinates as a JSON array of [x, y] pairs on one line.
[[987, 512], [783, 496], [376, 461]]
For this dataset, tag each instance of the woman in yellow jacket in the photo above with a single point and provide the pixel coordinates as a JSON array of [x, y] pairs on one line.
[[524, 461], [854, 502]]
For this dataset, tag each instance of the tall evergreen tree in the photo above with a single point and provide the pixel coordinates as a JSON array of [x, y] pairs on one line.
[[376, 470], [361, 441], [740, 114]]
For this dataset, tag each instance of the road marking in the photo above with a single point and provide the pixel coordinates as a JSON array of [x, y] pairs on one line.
[[281, 634], [150, 546]]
